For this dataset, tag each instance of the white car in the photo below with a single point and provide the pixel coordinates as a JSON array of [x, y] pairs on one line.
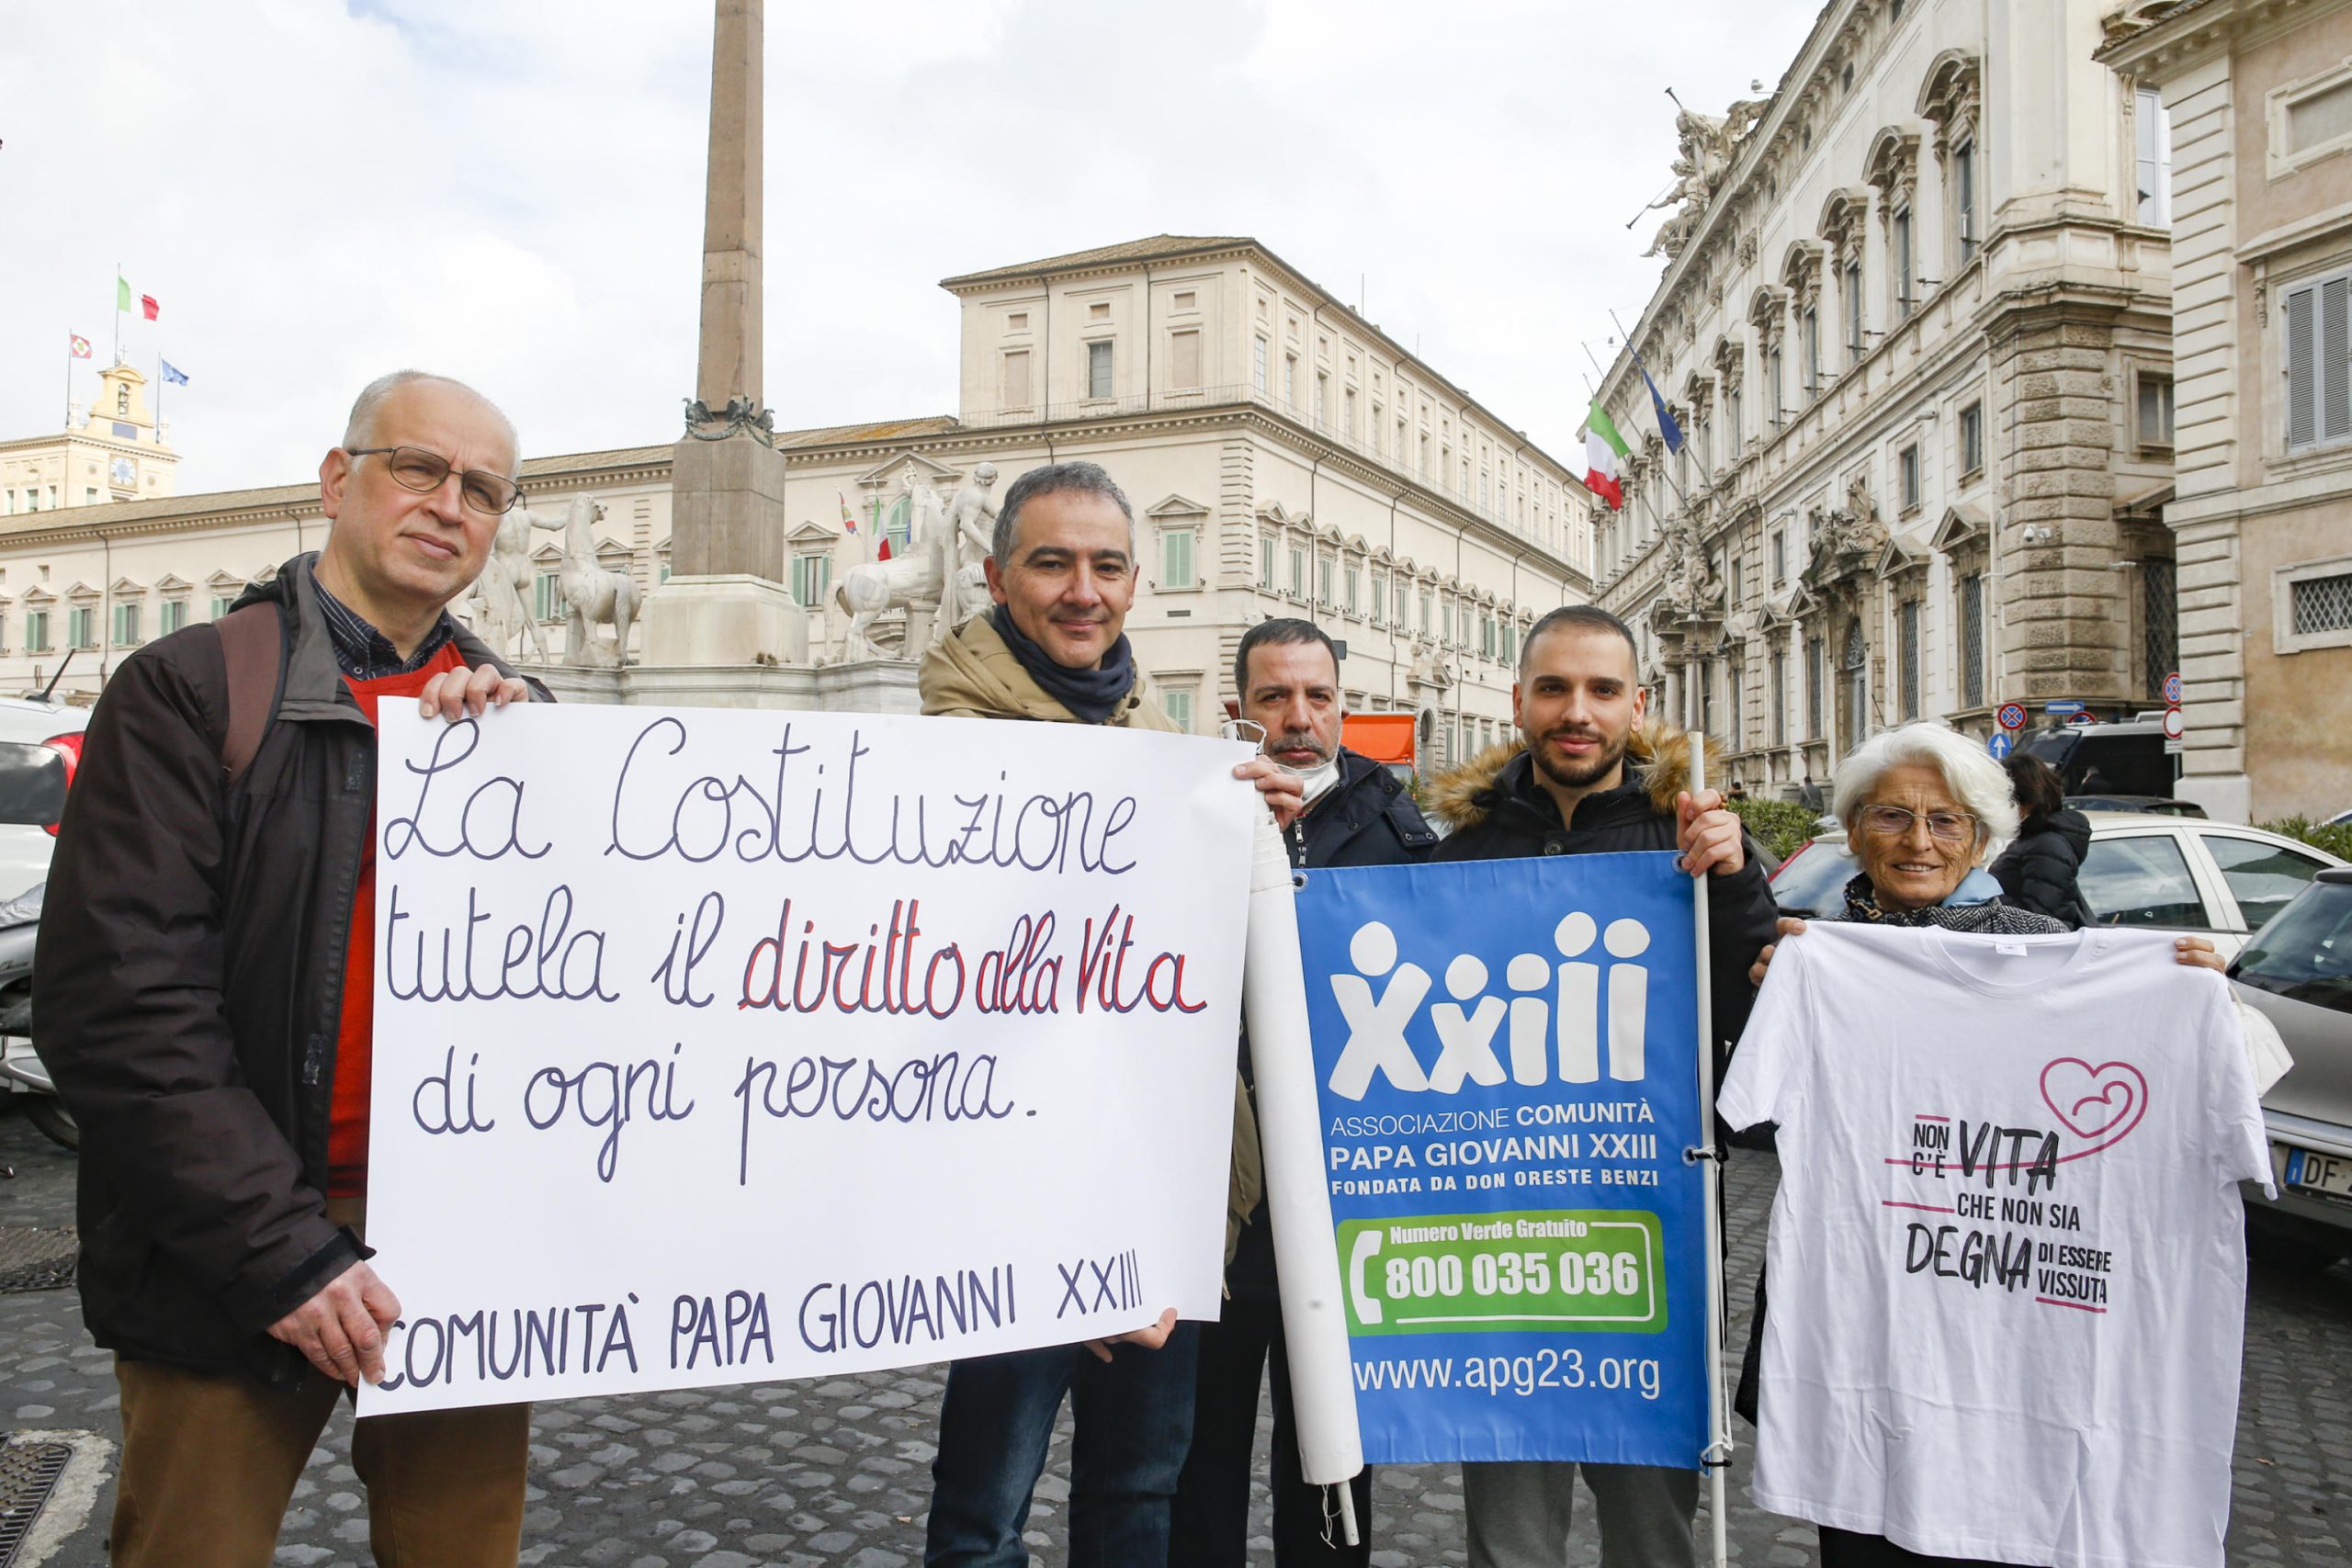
[[25, 851], [2157, 873], [2185, 874]]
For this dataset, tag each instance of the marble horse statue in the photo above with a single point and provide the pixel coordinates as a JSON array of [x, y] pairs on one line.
[[592, 596]]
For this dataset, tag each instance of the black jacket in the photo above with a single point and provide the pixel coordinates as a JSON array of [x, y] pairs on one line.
[[1499, 812], [190, 977], [2038, 872], [1366, 817]]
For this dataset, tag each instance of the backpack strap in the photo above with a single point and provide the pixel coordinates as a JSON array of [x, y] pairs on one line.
[[251, 640]]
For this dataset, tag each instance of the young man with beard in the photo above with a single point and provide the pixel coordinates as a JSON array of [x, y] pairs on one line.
[[1062, 573], [1287, 673], [1590, 774]]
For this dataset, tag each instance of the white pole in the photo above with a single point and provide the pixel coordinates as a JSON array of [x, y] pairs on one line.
[[1718, 1455], [1306, 1255]]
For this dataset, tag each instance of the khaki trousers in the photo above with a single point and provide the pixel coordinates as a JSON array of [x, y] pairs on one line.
[[209, 1463]]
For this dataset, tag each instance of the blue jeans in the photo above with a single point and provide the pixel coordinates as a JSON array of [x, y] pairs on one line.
[[1134, 1422]]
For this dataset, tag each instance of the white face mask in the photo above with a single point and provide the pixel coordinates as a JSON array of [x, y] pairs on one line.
[[1315, 781]]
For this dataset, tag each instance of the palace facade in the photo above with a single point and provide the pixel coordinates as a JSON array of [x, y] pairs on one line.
[[1915, 323], [1284, 456]]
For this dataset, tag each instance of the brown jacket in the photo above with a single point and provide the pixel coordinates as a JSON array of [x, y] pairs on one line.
[[191, 978], [971, 674]]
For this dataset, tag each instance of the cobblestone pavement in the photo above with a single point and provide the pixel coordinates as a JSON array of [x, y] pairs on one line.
[[838, 1473]]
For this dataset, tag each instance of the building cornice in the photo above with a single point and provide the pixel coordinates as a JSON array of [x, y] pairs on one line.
[[1323, 303], [2175, 38], [281, 503], [111, 443]]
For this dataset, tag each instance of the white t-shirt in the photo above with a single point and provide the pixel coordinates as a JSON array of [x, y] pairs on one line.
[[2006, 1267]]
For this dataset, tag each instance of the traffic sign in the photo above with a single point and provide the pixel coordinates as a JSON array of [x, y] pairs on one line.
[[2172, 689], [2001, 744], [2012, 715], [2174, 748], [2062, 708], [2172, 723], [2082, 720]]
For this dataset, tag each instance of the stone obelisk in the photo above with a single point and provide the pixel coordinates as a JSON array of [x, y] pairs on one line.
[[726, 602]]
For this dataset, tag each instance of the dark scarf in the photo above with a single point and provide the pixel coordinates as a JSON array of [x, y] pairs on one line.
[[1093, 695], [1992, 918]]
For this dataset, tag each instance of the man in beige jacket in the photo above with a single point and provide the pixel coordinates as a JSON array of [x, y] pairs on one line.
[[1052, 649]]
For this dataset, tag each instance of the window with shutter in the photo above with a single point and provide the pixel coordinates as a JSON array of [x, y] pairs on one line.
[[1176, 558], [2318, 325], [2301, 401], [2335, 405]]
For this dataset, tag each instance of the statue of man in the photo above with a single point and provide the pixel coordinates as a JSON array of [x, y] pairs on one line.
[[967, 539], [501, 590]]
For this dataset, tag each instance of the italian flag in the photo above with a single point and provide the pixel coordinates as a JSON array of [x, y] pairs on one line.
[[1602, 447]]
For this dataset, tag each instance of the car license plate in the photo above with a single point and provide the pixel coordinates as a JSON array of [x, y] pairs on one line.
[[2319, 1172]]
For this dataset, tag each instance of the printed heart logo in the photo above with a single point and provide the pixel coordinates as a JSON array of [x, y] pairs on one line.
[[2098, 1104]]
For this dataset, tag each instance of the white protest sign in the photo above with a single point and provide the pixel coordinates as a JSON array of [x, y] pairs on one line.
[[719, 1046]]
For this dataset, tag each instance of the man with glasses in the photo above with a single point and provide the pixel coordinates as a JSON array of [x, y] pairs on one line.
[[1594, 774], [206, 980]]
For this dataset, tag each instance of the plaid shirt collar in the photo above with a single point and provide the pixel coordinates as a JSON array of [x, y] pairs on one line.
[[362, 652]]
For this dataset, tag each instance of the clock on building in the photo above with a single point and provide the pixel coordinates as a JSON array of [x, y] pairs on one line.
[[125, 474]]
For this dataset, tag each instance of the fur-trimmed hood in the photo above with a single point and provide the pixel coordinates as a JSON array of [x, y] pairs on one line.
[[1659, 756]]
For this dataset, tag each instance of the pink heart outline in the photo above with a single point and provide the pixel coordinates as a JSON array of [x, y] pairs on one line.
[[2114, 1128]]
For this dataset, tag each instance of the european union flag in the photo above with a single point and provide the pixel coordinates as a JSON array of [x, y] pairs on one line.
[[178, 377], [1666, 424]]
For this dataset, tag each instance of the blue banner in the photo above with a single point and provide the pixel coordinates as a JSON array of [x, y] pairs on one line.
[[1506, 1058]]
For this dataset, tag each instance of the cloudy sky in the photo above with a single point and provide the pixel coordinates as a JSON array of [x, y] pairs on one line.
[[510, 191]]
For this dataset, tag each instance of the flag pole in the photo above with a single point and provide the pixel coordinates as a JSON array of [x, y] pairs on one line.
[[159, 397], [1717, 1458], [1634, 355], [118, 312], [69, 381]]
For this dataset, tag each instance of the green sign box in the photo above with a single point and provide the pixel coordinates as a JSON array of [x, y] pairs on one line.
[[1582, 1270]]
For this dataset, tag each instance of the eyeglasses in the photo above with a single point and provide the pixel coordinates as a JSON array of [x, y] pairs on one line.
[[415, 468], [1887, 821]]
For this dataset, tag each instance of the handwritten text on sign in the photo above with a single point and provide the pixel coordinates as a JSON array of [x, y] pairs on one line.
[[719, 1046]]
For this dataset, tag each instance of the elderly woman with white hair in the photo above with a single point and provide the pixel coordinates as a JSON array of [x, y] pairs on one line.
[[1922, 805]]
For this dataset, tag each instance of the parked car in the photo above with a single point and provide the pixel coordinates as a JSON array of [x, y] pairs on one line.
[[24, 848], [2154, 873], [2297, 972], [2124, 758], [2187, 874], [2149, 805]]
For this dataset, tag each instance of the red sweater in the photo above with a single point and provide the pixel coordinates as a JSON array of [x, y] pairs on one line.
[[355, 1041]]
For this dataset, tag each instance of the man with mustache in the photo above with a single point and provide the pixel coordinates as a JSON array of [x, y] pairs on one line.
[[1062, 571], [1566, 788], [1287, 675]]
